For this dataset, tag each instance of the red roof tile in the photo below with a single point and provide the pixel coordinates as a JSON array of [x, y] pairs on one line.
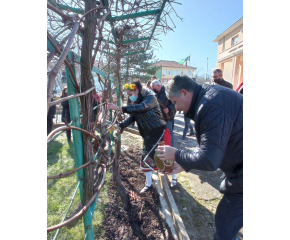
[[173, 64]]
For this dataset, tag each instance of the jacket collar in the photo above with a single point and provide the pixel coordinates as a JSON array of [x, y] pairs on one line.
[[141, 95], [191, 111], [162, 90], [222, 81]]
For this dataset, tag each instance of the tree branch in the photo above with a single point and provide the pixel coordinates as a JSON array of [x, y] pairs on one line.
[[71, 96], [60, 13], [52, 74]]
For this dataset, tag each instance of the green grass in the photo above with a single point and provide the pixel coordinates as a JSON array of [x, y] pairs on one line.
[[60, 158]]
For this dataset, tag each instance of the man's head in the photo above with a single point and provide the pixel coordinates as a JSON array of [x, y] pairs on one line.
[[217, 76], [153, 78], [64, 92], [149, 85], [180, 92], [156, 86]]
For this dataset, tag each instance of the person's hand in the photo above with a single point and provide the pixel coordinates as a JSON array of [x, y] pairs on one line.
[[113, 128], [167, 152], [112, 106], [176, 169], [166, 110]]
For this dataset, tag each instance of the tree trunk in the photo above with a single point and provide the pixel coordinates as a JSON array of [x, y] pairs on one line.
[[116, 176], [87, 100], [118, 70]]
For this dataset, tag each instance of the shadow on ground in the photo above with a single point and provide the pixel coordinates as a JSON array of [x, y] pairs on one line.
[[201, 226]]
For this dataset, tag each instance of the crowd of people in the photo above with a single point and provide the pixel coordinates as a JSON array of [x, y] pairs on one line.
[[216, 112]]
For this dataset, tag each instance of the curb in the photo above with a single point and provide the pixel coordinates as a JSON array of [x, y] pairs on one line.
[[132, 131], [177, 220]]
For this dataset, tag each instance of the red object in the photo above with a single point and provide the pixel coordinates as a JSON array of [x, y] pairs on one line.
[[167, 137], [239, 87], [135, 87], [167, 141]]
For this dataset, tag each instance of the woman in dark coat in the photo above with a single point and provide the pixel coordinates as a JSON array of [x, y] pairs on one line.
[[145, 111], [65, 112]]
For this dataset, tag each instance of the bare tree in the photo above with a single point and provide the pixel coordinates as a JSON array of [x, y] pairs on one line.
[[107, 30]]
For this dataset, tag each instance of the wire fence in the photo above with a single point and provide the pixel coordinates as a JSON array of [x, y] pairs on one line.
[[100, 168]]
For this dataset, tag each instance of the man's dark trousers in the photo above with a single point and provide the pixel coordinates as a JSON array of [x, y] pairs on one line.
[[229, 217], [187, 125]]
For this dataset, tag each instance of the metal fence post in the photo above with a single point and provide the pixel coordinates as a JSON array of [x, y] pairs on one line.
[[78, 145]]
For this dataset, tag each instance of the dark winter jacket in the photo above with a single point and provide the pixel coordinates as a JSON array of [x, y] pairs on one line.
[[218, 115], [164, 102], [65, 111], [224, 83], [146, 112], [95, 103], [51, 111]]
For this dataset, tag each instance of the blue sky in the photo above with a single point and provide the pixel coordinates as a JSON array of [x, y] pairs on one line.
[[203, 21]]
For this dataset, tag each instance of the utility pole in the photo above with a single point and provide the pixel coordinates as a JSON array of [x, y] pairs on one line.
[[206, 68]]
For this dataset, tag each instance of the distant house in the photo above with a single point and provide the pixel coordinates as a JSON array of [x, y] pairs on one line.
[[169, 69], [230, 53]]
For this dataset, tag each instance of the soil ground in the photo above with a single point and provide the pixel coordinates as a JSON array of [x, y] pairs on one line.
[[143, 219]]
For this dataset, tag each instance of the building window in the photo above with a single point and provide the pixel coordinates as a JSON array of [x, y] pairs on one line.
[[175, 72], [188, 73], [164, 72], [181, 72], [170, 72], [235, 40]]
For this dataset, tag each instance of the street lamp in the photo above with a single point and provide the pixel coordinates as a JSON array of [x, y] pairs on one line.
[[206, 68]]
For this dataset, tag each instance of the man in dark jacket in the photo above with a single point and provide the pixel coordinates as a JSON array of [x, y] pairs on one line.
[[167, 107], [218, 116], [218, 79], [50, 116]]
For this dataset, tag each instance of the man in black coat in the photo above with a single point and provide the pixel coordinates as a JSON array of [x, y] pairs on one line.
[[218, 79], [167, 107], [218, 115], [50, 116]]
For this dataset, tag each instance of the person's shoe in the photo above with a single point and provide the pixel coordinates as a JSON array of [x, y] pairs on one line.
[[190, 134], [173, 183], [145, 189], [183, 138]]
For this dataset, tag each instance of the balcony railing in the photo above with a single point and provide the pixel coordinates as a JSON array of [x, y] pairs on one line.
[[231, 52]]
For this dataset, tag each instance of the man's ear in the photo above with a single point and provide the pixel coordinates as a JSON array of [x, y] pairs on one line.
[[183, 92]]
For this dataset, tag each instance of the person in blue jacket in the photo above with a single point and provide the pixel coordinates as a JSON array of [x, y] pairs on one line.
[[218, 115]]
